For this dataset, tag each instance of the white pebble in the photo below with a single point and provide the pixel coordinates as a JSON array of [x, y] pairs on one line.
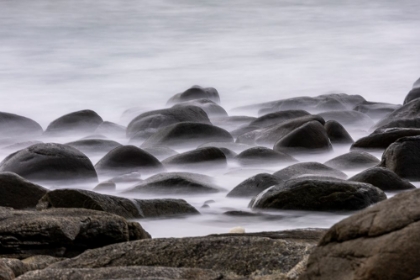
[[237, 230]]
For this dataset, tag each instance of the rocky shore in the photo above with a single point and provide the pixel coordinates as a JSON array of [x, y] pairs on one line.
[[65, 216]]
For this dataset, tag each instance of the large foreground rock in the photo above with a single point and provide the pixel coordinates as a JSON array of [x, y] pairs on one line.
[[308, 168], [403, 157], [80, 122], [50, 162], [382, 178], [12, 125], [318, 194], [61, 232], [380, 242], [265, 253], [18, 193]]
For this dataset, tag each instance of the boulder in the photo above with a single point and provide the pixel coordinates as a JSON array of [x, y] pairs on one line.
[[235, 147], [380, 139], [263, 155], [176, 183], [131, 272], [401, 123], [265, 254], [195, 92], [403, 157], [152, 121], [50, 162], [211, 108], [318, 195], [127, 159], [62, 232], [254, 185], [187, 134], [308, 168], [15, 267], [277, 118], [416, 84], [201, 157], [111, 129], [380, 242], [352, 119], [18, 193], [413, 94], [232, 122], [80, 122], [382, 178], [310, 137], [376, 110], [160, 153], [410, 110], [228, 153], [106, 186], [94, 146], [353, 160], [337, 133], [12, 126]]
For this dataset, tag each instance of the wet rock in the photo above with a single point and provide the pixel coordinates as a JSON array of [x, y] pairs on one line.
[[235, 147], [11, 268], [106, 186], [211, 108], [308, 168], [382, 178], [18, 193], [209, 157], [232, 122], [349, 118], [254, 185], [127, 159], [376, 110], [318, 195], [403, 157], [61, 232], [111, 129], [50, 162], [228, 153], [195, 92], [21, 145], [94, 146], [380, 242], [310, 137], [263, 255], [168, 207], [176, 183], [353, 160], [381, 139], [187, 134], [262, 155], [337, 133], [416, 84], [132, 272], [413, 94], [80, 122], [160, 153], [401, 123], [127, 178], [12, 125], [410, 110], [277, 118]]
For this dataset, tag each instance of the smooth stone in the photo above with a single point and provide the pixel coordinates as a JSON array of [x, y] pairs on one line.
[[277, 118], [187, 134], [381, 139], [254, 185], [235, 147], [80, 122], [413, 94], [353, 160], [410, 110], [211, 108], [106, 186], [350, 119], [263, 155], [308, 138], [62, 232], [19, 193], [337, 133], [50, 162], [209, 157], [401, 123], [232, 122], [380, 242], [382, 178], [127, 159], [318, 195], [308, 168], [94, 146], [195, 92], [12, 125]]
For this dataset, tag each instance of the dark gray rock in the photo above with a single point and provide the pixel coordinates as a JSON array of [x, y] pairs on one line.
[[381, 139], [353, 160], [18, 193], [209, 157], [94, 146], [329, 104], [211, 108], [416, 83], [50, 162], [187, 134], [376, 110], [21, 145], [127, 159], [15, 267], [152, 121], [61, 232], [401, 123], [380, 242], [111, 129], [310, 137], [349, 118], [382, 178], [254, 185], [410, 110], [403, 157], [80, 122], [228, 153], [176, 183], [232, 122], [413, 94], [263, 155], [195, 92], [12, 125], [308, 168], [235, 147], [277, 118], [106, 186], [318, 195], [337, 133], [160, 153]]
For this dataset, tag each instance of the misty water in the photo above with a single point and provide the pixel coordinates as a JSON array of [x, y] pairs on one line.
[[110, 56]]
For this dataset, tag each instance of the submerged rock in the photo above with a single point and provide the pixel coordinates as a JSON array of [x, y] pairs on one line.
[[337, 133], [195, 92], [353, 160], [111, 129], [382, 178], [254, 185], [263, 155], [209, 157], [160, 153], [12, 125], [277, 118], [308, 168], [376, 110], [211, 108], [80, 122]]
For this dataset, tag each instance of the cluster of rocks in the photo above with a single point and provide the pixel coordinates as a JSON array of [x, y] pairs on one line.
[[51, 230]]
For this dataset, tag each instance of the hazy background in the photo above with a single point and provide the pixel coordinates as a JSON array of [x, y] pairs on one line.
[[60, 56]]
